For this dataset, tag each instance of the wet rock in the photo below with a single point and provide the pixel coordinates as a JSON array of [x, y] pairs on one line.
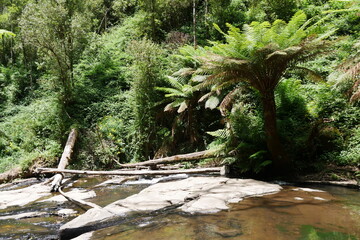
[[158, 179], [307, 190], [75, 193], [66, 212], [194, 195], [24, 215], [21, 197], [85, 236], [228, 233]]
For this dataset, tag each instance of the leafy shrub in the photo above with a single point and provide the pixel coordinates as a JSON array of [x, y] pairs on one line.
[[34, 133], [350, 155]]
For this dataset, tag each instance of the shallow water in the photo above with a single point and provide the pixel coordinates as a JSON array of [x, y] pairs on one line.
[[286, 215], [300, 215], [46, 227]]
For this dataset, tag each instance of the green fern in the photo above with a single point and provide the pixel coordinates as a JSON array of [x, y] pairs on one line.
[[258, 56], [5, 33]]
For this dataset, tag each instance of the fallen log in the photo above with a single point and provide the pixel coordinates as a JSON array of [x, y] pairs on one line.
[[135, 172], [64, 161], [10, 175], [174, 159], [81, 203]]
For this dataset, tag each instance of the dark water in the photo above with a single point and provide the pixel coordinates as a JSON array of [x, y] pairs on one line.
[[301, 215]]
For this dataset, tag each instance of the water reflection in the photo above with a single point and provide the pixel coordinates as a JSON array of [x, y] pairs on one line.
[[302, 215], [286, 215]]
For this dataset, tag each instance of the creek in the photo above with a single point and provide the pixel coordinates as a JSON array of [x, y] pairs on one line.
[[333, 213]]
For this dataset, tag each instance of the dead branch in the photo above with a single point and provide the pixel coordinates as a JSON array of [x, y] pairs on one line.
[[174, 159]]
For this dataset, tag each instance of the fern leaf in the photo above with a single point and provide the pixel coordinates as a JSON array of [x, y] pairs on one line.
[[183, 106], [171, 106], [212, 102], [5, 33], [174, 82], [206, 96], [220, 133], [184, 72]]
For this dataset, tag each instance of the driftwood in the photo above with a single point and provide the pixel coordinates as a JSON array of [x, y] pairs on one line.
[[135, 172], [64, 161], [174, 159], [81, 203]]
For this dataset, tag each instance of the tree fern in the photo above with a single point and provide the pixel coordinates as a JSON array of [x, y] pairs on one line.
[[259, 56]]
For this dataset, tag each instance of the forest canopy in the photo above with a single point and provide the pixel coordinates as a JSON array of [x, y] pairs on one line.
[[268, 85]]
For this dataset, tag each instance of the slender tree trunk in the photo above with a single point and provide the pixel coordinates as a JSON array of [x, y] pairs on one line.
[[153, 25], [281, 163], [194, 23], [4, 55]]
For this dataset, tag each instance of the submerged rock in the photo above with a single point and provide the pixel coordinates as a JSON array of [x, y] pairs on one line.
[[307, 190], [194, 195]]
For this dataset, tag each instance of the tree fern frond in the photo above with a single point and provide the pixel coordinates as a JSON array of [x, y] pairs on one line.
[[275, 54], [5, 33], [212, 102], [173, 105], [206, 96], [355, 97], [183, 106], [199, 78], [228, 100], [174, 82], [354, 71], [171, 92], [221, 133], [295, 23], [184, 72], [313, 75], [325, 35], [314, 28]]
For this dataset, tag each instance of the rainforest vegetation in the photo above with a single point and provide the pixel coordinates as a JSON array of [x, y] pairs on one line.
[[271, 86]]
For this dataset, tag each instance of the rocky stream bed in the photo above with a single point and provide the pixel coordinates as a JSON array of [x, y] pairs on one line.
[[178, 207]]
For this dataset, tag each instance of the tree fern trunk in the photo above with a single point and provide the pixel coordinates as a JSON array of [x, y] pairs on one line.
[[281, 163]]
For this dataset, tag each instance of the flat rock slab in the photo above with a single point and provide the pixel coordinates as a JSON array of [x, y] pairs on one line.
[[24, 215], [23, 196], [194, 195], [78, 194]]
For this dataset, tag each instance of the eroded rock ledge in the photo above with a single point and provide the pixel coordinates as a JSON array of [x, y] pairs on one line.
[[193, 195]]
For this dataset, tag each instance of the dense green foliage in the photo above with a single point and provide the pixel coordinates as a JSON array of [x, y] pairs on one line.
[[126, 74]]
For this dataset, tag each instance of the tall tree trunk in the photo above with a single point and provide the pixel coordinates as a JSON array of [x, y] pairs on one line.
[[194, 23], [281, 162]]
